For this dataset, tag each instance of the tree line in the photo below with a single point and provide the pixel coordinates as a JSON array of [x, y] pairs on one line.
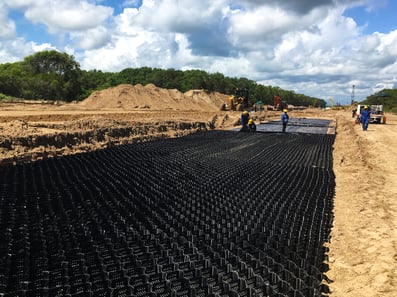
[[52, 75], [385, 97]]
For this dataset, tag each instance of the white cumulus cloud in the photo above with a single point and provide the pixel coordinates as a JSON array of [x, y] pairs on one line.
[[307, 46]]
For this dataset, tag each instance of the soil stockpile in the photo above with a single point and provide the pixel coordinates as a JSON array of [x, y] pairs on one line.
[[150, 97]]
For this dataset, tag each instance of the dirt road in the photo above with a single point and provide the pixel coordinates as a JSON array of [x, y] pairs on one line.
[[363, 249]]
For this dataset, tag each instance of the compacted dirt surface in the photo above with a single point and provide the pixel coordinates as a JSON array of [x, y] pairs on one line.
[[363, 247]]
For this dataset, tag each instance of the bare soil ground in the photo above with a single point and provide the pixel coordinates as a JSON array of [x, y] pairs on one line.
[[363, 247]]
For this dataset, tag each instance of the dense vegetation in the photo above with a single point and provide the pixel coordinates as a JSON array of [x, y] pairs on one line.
[[386, 97], [51, 75], [47, 75]]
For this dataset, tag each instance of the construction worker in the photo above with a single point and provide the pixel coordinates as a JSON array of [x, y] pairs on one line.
[[364, 117], [354, 112], [251, 125], [284, 119], [244, 120]]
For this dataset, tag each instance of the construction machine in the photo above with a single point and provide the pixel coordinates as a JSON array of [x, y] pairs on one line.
[[377, 113], [238, 101], [279, 104]]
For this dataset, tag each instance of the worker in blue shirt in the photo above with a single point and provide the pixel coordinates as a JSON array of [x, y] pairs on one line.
[[364, 117], [284, 119]]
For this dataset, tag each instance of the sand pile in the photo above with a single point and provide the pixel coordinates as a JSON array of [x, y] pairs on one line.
[[129, 97]]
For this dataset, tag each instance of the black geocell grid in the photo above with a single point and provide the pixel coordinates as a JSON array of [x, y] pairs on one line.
[[210, 214]]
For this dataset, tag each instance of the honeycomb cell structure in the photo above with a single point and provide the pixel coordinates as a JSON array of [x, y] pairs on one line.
[[218, 213]]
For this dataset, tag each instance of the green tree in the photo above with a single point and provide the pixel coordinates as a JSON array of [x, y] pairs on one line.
[[12, 78], [219, 83], [128, 76], [195, 79], [385, 97], [53, 76], [93, 80]]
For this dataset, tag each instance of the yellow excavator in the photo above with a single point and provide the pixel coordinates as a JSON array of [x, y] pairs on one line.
[[238, 101]]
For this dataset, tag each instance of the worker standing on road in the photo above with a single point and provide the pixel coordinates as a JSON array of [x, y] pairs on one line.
[[251, 125], [364, 117], [244, 120], [354, 112], [284, 119]]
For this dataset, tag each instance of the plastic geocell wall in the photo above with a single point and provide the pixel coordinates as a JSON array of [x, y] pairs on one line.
[[211, 214]]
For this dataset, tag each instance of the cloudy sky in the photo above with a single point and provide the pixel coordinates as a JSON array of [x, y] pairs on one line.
[[320, 48]]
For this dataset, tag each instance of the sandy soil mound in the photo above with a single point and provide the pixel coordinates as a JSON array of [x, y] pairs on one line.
[[128, 97], [118, 115]]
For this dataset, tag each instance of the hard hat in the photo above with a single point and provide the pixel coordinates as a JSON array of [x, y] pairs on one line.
[[365, 107], [285, 110], [245, 112], [250, 121]]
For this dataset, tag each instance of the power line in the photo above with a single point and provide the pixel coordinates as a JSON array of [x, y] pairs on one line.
[[352, 101]]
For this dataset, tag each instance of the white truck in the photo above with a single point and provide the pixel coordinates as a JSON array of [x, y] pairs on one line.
[[377, 113]]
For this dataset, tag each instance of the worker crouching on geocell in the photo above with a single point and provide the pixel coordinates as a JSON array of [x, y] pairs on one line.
[[284, 119], [251, 125]]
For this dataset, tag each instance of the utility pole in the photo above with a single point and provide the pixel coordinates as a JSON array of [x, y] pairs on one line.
[[352, 101]]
